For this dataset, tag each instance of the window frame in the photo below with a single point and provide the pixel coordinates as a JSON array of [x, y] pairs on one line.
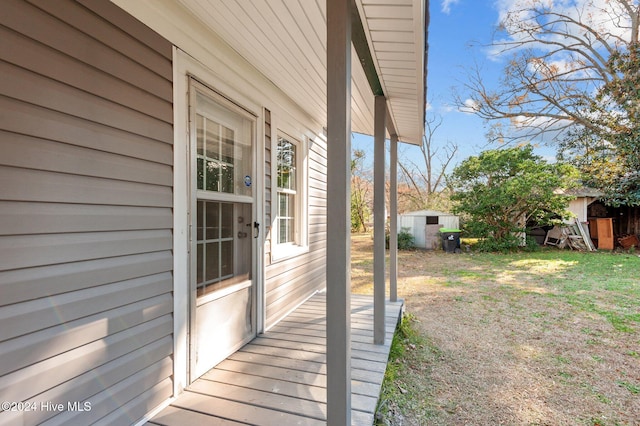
[[300, 245]]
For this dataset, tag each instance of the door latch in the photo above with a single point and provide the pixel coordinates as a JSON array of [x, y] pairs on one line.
[[256, 229]]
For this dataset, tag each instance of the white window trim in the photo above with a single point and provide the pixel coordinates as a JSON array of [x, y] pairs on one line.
[[285, 251]]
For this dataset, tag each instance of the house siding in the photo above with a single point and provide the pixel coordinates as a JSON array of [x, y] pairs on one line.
[[86, 201], [292, 281]]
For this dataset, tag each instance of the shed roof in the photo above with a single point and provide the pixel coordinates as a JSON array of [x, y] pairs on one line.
[[427, 213], [583, 191], [286, 41]]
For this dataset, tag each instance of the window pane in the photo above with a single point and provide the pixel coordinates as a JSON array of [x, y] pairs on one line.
[[285, 226], [282, 226], [286, 204], [290, 231], [212, 220], [226, 178], [227, 258], [286, 219], [212, 261], [281, 180], [199, 221], [283, 202], [200, 173], [292, 178], [227, 220], [227, 145], [213, 140], [212, 175], [199, 267], [200, 134], [223, 146], [286, 158]]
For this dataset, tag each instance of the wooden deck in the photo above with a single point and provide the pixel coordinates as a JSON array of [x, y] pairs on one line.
[[280, 377]]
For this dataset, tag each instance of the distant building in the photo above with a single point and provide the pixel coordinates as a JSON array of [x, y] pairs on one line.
[[424, 226]]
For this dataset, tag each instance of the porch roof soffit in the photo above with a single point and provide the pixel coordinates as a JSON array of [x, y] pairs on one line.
[[286, 41]]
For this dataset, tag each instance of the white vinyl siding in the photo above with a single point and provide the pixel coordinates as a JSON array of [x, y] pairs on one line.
[[86, 134]]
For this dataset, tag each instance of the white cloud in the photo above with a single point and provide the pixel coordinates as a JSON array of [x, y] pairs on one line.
[[470, 106], [530, 127], [445, 109], [607, 17], [516, 20], [446, 5]]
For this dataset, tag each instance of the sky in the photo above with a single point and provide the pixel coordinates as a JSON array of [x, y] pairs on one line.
[[458, 32]]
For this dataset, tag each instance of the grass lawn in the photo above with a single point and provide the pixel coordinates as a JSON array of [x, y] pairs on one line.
[[547, 338]]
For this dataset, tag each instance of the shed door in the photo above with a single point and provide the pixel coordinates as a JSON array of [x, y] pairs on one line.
[[605, 234], [222, 209]]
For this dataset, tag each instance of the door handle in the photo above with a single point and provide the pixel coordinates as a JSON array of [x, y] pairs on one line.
[[256, 228]]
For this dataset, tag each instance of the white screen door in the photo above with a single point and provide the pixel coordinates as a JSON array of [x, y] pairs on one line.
[[222, 201]]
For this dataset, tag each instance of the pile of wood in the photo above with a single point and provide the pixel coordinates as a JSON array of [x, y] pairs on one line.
[[575, 236]]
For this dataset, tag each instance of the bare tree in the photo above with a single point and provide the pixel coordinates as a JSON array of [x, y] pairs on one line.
[[361, 197], [559, 61], [425, 176]]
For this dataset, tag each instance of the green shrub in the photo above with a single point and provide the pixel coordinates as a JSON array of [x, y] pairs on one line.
[[507, 244], [405, 240]]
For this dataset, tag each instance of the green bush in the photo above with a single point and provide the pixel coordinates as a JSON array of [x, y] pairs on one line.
[[507, 244], [405, 240]]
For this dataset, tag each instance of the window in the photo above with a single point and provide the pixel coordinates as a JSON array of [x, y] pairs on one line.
[[222, 140], [289, 233], [223, 148], [214, 245], [287, 185]]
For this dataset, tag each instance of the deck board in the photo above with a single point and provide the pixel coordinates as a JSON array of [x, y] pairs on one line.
[[280, 377]]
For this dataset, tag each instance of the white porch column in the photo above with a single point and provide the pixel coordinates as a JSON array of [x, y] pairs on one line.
[[379, 219], [393, 225], [338, 212]]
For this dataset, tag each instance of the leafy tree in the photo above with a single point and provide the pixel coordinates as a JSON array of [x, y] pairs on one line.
[[611, 162], [360, 192], [602, 166], [623, 96], [500, 190]]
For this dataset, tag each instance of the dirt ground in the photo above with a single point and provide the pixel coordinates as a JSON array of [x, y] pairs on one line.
[[502, 351]]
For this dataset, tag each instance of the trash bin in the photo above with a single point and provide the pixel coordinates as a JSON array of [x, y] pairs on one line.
[[450, 240]]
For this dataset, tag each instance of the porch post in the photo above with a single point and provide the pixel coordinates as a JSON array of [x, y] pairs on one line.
[[379, 130], [338, 212], [393, 225]]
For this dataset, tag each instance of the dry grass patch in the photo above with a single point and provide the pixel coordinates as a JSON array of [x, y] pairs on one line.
[[548, 338]]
